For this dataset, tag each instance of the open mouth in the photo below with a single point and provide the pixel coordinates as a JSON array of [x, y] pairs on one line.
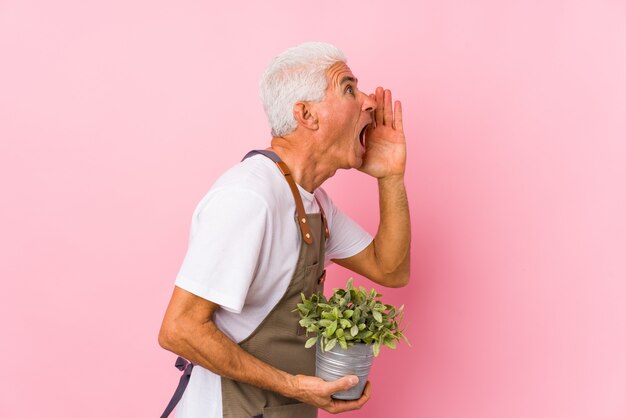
[[362, 135]]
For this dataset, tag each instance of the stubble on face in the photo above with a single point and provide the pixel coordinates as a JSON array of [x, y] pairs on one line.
[[344, 116]]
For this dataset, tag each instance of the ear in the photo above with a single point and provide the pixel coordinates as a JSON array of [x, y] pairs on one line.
[[305, 115]]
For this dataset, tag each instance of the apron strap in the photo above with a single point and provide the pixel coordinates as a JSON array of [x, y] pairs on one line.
[[324, 221], [304, 226], [186, 367]]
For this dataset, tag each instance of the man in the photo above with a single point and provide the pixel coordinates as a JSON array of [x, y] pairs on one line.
[[264, 233]]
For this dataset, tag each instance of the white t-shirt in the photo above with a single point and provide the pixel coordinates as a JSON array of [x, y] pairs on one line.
[[243, 248]]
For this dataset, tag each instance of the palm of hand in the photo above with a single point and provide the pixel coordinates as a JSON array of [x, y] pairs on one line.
[[385, 145]]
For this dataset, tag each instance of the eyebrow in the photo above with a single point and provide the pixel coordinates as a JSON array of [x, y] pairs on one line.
[[348, 78]]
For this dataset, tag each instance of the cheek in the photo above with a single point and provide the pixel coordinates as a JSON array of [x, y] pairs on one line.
[[341, 119], [335, 118]]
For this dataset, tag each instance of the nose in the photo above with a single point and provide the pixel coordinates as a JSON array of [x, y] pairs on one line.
[[369, 103]]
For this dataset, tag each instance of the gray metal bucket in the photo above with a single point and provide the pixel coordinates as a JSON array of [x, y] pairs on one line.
[[337, 363]]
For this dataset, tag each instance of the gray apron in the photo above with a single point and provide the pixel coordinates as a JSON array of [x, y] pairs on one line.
[[279, 339]]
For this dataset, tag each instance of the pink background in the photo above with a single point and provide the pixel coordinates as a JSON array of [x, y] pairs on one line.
[[117, 116]]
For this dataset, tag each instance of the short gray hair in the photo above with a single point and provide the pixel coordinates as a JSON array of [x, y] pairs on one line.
[[297, 74]]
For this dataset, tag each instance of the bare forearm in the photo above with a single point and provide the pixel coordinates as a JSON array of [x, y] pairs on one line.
[[189, 331], [393, 239], [214, 351]]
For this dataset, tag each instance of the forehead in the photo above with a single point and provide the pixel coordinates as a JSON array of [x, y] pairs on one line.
[[338, 73]]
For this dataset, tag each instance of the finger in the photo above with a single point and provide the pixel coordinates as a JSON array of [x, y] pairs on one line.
[[341, 406], [373, 124], [378, 114], [397, 116], [367, 391], [388, 109], [342, 384]]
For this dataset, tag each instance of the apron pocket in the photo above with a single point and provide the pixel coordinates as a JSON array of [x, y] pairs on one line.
[[294, 410], [309, 284]]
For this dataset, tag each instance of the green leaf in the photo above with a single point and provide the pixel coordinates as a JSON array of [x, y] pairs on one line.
[[325, 322], [390, 343], [354, 330], [311, 342], [337, 314], [329, 316], [345, 323], [313, 328], [401, 335], [357, 315], [376, 349], [330, 344], [377, 316], [343, 344], [348, 313], [331, 329]]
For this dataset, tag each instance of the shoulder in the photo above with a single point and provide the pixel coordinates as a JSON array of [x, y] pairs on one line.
[[257, 175], [256, 180]]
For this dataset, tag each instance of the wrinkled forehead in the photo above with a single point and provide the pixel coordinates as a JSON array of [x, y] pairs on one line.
[[339, 73]]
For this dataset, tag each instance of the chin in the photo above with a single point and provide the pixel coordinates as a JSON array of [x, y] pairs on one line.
[[358, 162]]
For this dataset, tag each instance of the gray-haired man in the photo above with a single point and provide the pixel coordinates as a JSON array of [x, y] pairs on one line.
[[249, 257]]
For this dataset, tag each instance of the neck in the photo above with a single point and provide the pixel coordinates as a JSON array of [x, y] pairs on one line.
[[305, 163]]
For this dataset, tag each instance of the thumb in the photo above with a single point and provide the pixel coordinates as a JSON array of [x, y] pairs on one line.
[[344, 383]]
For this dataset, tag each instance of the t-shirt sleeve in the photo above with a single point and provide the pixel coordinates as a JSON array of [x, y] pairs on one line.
[[227, 232], [347, 238]]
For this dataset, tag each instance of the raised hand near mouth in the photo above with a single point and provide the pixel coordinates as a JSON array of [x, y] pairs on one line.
[[385, 144]]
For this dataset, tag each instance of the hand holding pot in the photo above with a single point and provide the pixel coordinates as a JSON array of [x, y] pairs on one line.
[[317, 392]]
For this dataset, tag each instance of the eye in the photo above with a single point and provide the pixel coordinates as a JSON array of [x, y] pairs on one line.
[[350, 90]]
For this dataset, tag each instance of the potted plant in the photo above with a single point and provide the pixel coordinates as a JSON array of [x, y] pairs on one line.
[[351, 326]]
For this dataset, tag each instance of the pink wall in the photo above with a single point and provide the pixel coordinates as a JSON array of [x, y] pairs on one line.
[[116, 117]]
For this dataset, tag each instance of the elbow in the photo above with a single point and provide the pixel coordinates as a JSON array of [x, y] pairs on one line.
[[404, 280], [392, 279], [164, 340], [398, 277], [393, 273], [399, 280], [168, 337]]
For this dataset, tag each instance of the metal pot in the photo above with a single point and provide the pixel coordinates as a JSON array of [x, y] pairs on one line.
[[338, 362]]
